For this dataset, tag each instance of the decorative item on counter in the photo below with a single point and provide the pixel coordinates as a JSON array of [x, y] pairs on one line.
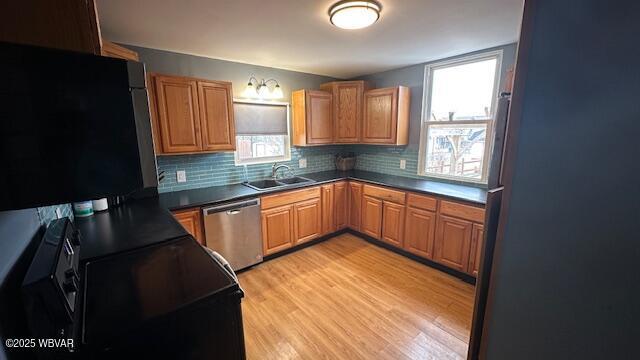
[[100, 204], [83, 208], [345, 161]]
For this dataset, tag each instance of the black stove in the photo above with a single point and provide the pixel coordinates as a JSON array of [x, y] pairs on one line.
[[168, 300]]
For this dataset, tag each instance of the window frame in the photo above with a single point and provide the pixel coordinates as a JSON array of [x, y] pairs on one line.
[[425, 123], [287, 138]]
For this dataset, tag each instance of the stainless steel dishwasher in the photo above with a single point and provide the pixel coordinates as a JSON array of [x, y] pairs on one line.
[[234, 231]]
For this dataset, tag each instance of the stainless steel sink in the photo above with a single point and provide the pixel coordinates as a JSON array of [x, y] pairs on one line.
[[279, 183]]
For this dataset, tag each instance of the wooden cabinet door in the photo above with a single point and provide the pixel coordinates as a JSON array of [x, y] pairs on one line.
[[307, 220], [371, 220], [475, 256], [341, 207], [347, 111], [355, 203], [392, 223], [328, 213], [453, 239], [319, 119], [277, 229], [380, 116], [178, 114], [419, 232], [216, 115], [191, 220]]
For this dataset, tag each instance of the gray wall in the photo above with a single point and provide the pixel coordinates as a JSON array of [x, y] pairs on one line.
[[413, 77], [386, 159], [204, 170], [188, 65], [566, 281], [218, 169]]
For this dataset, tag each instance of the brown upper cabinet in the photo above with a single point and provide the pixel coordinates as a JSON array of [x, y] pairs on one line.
[[216, 115], [191, 115], [68, 25], [312, 117], [116, 51], [348, 97], [348, 112], [386, 116]]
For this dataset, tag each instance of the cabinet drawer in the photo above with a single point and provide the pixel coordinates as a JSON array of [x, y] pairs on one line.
[[472, 213], [422, 202], [397, 197], [289, 197]]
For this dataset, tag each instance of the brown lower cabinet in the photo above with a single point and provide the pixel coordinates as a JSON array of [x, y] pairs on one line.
[[444, 231], [307, 218], [328, 208], [453, 242], [392, 223], [290, 218], [341, 201], [277, 229], [355, 200], [191, 220], [419, 233], [371, 218], [477, 236]]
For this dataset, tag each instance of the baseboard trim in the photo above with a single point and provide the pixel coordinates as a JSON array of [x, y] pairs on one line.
[[460, 275]]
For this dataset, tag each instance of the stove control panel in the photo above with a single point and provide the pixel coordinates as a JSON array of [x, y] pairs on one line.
[[51, 285]]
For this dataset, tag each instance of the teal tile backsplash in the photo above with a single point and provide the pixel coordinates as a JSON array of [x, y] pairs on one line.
[[205, 170], [48, 213]]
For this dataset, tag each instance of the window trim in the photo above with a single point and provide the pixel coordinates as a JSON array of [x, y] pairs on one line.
[[425, 123], [287, 139]]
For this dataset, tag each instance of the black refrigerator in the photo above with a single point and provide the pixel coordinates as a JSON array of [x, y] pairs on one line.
[[559, 279]]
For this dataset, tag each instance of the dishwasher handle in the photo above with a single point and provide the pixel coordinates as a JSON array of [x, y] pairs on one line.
[[231, 208]]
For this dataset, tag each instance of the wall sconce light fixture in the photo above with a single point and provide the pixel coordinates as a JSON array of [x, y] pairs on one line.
[[261, 90]]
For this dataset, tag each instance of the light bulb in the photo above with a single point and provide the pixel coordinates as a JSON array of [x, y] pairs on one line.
[[249, 91], [263, 92], [277, 92]]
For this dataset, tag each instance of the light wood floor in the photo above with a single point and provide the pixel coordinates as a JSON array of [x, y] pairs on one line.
[[348, 299]]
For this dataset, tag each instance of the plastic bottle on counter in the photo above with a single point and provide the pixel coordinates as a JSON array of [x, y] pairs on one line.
[[83, 208]]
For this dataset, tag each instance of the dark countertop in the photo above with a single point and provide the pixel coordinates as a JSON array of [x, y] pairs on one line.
[[218, 194], [133, 225]]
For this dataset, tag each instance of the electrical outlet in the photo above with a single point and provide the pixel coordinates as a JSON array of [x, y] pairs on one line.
[[403, 164], [181, 175], [58, 213], [302, 163]]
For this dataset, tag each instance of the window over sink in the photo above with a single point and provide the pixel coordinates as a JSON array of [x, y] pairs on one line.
[[458, 116], [262, 132]]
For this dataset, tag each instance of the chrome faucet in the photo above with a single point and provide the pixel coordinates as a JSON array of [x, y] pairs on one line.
[[276, 167]]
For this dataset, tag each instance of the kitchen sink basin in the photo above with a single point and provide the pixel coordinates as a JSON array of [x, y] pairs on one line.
[[279, 183], [294, 180], [263, 184]]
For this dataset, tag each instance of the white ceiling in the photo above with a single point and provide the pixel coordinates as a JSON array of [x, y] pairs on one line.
[[297, 35]]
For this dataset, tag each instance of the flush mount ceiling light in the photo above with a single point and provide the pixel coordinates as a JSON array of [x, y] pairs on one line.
[[350, 15]]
